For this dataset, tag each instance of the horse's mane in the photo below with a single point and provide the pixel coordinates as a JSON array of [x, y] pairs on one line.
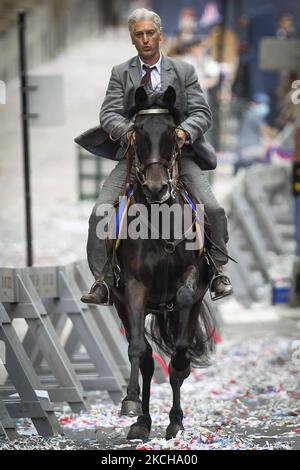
[[156, 99]]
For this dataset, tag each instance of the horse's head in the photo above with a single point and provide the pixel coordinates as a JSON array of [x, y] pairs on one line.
[[155, 143]]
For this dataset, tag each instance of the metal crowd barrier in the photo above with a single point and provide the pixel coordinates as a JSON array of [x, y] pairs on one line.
[[41, 368], [69, 351], [260, 227]]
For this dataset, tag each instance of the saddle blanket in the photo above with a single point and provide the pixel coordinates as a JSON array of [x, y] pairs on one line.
[[126, 201]]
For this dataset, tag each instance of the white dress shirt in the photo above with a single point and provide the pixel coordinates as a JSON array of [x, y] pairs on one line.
[[155, 73]]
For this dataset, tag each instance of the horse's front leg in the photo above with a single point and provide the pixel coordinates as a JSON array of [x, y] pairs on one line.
[[179, 367], [135, 305], [141, 429]]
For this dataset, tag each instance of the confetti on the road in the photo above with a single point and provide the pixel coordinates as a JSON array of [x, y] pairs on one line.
[[249, 398]]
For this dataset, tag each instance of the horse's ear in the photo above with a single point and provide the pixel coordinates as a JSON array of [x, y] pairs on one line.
[[141, 97], [170, 96]]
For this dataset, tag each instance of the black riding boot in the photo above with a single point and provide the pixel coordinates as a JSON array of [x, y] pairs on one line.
[[99, 294], [220, 285]]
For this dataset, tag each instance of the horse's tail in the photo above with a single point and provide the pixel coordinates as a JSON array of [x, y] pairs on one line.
[[163, 330]]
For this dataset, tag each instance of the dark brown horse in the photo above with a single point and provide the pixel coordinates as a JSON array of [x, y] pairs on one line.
[[160, 276]]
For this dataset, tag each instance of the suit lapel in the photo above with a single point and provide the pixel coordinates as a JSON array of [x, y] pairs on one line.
[[135, 71], [167, 73], [168, 76]]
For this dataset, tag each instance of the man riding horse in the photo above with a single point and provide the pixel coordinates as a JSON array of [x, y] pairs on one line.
[[156, 72]]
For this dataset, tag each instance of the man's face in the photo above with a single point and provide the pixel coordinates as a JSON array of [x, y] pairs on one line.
[[146, 39]]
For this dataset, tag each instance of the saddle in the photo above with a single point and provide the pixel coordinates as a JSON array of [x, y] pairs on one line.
[[114, 239], [121, 210]]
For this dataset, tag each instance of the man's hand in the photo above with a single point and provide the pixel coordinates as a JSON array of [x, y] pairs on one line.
[[182, 135]]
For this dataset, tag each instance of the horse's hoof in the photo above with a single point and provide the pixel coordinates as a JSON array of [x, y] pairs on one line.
[[172, 430], [131, 408], [137, 431]]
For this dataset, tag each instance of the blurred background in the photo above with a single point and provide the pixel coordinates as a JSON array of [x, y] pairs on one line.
[[247, 58]]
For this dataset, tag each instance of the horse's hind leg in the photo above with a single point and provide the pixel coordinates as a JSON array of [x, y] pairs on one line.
[[180, 362], [176, 414], [141, 429]]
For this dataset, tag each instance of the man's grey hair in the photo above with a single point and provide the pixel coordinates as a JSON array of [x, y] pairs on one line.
[[142, 14]]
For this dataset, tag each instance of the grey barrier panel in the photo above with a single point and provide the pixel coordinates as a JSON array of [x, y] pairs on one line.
[[45, 283], [275, 54], [29, 306], [257, 196], [30, 345], [8, 288], [242, 280], [68, 388], [109, 377], [7, 425], [275, 181], [106, 321], [71, 347], [50, 291], [46, 109], [240, 273], [278, 192], [72, 344], [90, 381], [251, 231], [256, 207], [2, 430], [240, 214], [31, 401]]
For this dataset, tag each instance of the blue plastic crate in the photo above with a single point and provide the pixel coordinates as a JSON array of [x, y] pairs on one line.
[[281, 293]]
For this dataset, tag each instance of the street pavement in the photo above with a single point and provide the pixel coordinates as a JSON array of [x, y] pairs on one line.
[[248, 398]]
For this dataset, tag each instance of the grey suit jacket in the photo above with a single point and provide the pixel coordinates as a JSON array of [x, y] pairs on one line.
[[120, 98], [126, 78]]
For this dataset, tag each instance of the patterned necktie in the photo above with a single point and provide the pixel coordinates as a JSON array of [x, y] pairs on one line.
[[146, 80]]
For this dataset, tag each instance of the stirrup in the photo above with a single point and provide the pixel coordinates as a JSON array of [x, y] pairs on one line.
[[217, 276], [102, 283]]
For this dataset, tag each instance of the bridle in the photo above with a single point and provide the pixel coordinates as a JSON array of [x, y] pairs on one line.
[[169, 165]]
